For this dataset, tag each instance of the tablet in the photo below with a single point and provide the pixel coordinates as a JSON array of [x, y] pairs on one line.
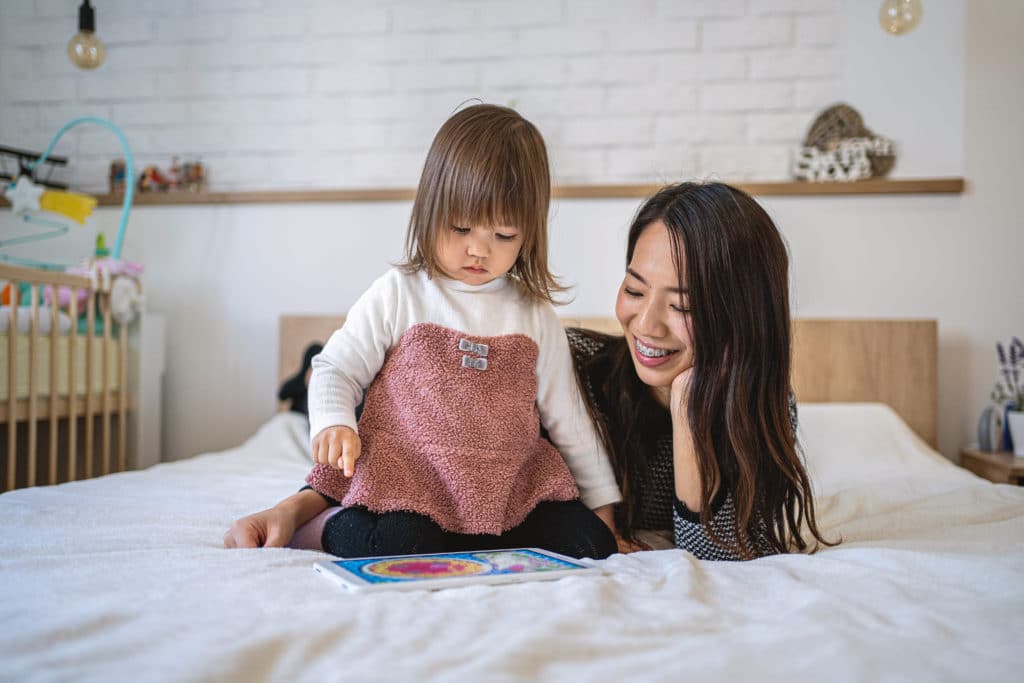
[[443, 570]]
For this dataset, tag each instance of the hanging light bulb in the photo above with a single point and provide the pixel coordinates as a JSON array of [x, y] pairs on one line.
[[85, 50], [900, 16]]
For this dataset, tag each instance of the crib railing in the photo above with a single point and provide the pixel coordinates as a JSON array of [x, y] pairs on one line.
[[61, 427]]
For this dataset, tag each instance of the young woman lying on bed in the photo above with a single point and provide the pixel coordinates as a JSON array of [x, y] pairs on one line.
[[693, 403]]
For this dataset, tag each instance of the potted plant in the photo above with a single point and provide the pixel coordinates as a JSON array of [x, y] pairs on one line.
[[1008, 394]]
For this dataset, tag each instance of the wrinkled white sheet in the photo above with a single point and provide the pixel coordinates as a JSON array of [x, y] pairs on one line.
[[124, 578]]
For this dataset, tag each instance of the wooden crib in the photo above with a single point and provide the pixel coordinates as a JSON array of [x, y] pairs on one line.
[[64, 389]]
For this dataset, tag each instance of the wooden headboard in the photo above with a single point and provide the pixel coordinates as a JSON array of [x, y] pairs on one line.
[[834, 361], [879, 361]]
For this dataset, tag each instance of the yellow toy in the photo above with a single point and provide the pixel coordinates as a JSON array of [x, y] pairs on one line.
[[74, 205]]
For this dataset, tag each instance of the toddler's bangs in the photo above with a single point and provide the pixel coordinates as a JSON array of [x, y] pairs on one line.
[[490, 193]]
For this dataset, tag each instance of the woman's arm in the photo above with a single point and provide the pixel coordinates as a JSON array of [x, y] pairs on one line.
[[689, 534], [273, 528], [687, 530], [684, 458]]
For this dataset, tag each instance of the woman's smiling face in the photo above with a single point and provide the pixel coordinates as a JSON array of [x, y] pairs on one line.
[[654, 313]]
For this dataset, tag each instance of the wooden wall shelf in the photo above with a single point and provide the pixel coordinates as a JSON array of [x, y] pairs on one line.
[[767, 189]]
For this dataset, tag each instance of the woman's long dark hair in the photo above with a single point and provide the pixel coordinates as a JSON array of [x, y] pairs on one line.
[[737, 278]]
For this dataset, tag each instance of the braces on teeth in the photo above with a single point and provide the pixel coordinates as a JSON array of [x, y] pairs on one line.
[[649, 352]]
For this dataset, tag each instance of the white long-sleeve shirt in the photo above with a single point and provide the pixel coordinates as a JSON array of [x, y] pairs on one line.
[[397, 301]]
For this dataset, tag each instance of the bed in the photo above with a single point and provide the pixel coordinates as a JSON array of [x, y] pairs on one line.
[[123, 577]]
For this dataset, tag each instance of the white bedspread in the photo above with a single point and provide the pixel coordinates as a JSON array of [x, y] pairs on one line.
[[124, 578]]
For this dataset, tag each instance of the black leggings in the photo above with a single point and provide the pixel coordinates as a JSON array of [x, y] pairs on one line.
[[569, 528]]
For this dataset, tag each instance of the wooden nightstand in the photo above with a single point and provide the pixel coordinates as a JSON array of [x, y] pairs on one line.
[[1001, 467]]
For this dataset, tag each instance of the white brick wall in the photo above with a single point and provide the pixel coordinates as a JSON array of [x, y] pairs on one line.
[[346, 93]]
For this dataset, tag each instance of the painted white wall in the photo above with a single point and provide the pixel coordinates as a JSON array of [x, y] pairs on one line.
[[225, 288], [991, 235], [222, 275], [909, 88], [346, 93]]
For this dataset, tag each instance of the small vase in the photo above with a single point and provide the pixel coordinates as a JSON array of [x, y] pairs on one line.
[[1006, 440], [1015, 421], [986, 427]]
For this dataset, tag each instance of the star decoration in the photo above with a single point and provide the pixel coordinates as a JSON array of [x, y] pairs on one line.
[[23, 195]]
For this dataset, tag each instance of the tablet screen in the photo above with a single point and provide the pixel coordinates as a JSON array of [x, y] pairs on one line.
[[522, 561]]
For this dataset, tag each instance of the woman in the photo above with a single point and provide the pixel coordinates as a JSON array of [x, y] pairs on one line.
[[694, 402]]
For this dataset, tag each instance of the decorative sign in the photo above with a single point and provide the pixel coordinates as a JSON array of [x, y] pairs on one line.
[[839, 147]]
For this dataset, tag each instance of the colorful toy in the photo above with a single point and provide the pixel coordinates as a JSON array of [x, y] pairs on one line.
[[28, 199], [152, 180], [74, 205], [122, 278], [24, 289]]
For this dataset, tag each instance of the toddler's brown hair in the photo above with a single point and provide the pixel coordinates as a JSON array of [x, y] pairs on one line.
[[486, 166]]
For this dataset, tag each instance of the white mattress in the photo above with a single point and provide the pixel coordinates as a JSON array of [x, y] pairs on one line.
[[124, 578], [24, 342]]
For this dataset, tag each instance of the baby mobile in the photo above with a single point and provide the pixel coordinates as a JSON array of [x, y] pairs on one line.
[[47, 211]]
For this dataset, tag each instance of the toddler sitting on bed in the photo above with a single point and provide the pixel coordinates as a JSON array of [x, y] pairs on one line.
[[464, 358]]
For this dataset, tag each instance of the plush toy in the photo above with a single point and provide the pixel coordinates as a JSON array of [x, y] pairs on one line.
[[126, 299], [121, 278], [296, 388]]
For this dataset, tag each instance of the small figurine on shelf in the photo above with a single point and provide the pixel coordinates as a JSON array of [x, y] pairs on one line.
[[152, 180], [174, 175], [117, 176], [180, 176], [194, 176]]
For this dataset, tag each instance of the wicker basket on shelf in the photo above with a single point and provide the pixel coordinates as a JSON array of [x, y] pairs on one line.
[[842, 122]]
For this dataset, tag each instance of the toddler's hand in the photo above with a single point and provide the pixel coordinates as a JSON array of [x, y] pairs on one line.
[[271, 528], [338, 447]]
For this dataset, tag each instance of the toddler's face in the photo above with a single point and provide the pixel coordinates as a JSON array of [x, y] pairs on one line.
[[477, 254]]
